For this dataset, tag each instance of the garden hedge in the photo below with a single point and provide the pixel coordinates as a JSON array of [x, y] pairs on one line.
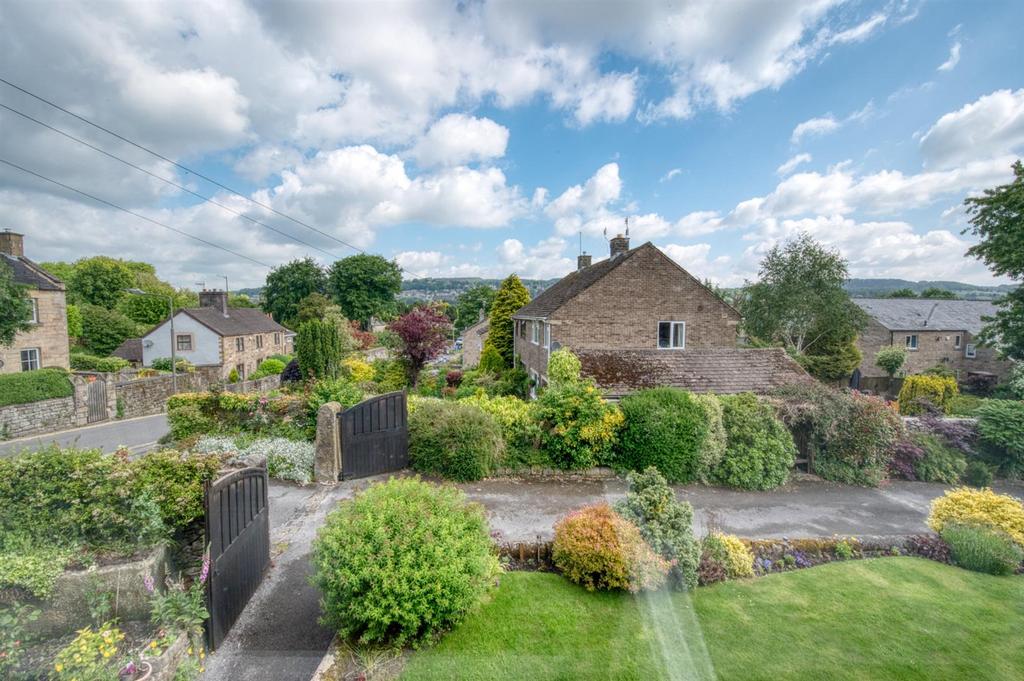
[[760, 450], [83, 362], [665, 428], [32, 386], [456, 440]]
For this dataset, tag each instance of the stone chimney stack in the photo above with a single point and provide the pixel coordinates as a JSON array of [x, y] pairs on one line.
[[619, 245], [215, 299], [12, 243], [582, 261]]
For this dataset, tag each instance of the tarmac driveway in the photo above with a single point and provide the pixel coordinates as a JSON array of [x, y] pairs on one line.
[[527, 510]]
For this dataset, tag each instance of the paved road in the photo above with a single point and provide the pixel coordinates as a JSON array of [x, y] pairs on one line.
[[523, 511], [139, 435]]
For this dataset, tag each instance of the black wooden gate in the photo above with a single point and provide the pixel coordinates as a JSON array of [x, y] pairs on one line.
[[238, 536], [374, 436], [96, 401]]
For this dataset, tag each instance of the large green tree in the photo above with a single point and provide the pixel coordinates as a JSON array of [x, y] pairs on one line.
[[799, 300], [511, 296], [318, 349], [936, 293], [470, 304], [15, 306], [103, 330], [365, 286], [997, 220], [100, 281], [288, 284]]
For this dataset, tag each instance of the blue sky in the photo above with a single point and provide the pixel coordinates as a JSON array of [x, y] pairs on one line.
[[482, 138]]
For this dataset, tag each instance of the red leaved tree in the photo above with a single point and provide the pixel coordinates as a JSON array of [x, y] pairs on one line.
[[424, 333]]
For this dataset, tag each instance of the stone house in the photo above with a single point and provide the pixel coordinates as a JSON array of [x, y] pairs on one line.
[[473, 343], [639, 320], [215, 335], [934, 332], [46, 344]]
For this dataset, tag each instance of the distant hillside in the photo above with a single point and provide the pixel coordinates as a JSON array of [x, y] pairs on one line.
[[874, 288], [449, 288], [253, 293]]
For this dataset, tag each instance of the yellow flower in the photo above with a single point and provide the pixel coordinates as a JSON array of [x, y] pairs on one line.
[[152, 644], [190, 650], [59, 667]]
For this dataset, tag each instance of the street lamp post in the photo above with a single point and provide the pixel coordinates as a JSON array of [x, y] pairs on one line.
[[170, 317]]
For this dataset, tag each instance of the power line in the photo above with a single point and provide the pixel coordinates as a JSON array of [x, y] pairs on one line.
[[164, 179], [131, 212], [177, 165]]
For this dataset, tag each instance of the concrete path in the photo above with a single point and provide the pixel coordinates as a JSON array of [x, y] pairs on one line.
[[138, 434], [523, 511], [278, 638]]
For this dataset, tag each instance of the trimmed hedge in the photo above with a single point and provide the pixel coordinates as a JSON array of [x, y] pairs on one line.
[[760, 450], [33, 386], [456, 440], [83, 362], [665, 428], [927, 388]]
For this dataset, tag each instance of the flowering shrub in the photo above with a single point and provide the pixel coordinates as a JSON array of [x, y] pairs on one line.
[[926, 388], [286, 459], [224, 412], [982, 549], [665, 524], [563, 367], [597, 549], [578, 428], [517, 426], [760, 450], [401, 561], [179, 607], [13, 620], [457, 440], [732, 553], [664, 428], [969, 506], [92, 656]]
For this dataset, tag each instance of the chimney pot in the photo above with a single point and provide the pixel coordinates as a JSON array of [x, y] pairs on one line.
[[12, 243], [215, 299], [618, 245], [583, 261]]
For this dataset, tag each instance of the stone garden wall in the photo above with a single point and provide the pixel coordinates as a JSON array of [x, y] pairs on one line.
[[20, 420]]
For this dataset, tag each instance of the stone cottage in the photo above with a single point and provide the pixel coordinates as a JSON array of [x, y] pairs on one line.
[[638, 320], [215, 335], [934, 332], [46, 344]]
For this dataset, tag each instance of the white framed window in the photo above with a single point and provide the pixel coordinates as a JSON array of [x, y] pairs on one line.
[[547, 334], [30, 359], [35, 311], [911, 341], [970, 351], [956, 342], [535, 332], [672, 335]]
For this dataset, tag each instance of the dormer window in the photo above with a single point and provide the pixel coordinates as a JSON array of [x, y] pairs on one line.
[[672, 335]]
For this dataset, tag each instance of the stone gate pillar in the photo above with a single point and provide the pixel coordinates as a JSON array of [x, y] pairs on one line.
[[327, 467]]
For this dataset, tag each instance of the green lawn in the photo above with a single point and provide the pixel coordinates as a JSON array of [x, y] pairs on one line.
[[889, 618]]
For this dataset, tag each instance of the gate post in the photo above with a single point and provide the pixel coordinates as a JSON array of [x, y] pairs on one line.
[[327, 466]]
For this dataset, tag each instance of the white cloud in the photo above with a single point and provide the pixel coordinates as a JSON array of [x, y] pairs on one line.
[[952, 60], [694, 259], [860, 32], [667, 177], [545, 260], [791, 165], [457, 139], [814, 127], [993, 125], [587, 206]]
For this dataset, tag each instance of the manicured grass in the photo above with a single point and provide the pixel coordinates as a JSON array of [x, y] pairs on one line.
[[889, 618]]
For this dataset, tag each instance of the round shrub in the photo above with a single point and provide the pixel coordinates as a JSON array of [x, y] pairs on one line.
[[563, 367], [760, 450], [665, 428], [665, 524], [358, 370], [597, 549], [402, 561], [982, 549], [517, 428], [969, 506], [453, 439], [731, 553], [978, 474], [292, 372], [268, 367], [922, 389]]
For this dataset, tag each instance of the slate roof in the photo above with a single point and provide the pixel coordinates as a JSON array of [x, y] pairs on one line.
[[28, 273], [922, 314], [130, 349], [714, 370], [240, 321], [571, 285], [480, 328]]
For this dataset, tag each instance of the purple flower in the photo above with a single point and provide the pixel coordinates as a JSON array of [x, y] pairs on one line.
[[148, 581], [128, 670], [205, 572]]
